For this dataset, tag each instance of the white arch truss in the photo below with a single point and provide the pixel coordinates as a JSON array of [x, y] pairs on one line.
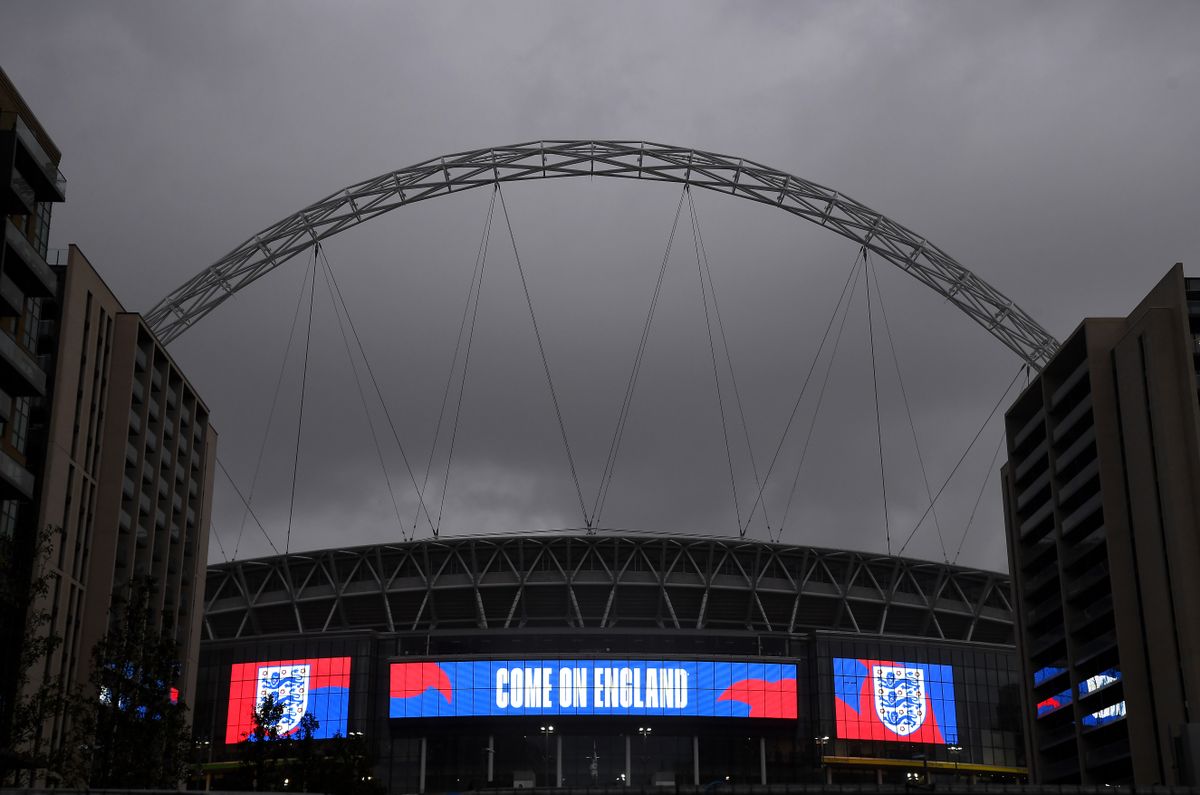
[[736, 176]]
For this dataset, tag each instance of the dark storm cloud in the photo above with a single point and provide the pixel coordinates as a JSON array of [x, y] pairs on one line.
[[1046, 146]]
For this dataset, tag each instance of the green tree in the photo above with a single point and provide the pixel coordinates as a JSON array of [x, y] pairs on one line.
[[347, 767], [129, 721], [307, 760], [261, 750], [26, 624]]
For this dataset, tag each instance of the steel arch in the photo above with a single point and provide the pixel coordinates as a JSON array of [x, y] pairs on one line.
[[736, 176]]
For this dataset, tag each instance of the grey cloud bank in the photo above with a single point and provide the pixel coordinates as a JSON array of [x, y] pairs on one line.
[[1045, 146]]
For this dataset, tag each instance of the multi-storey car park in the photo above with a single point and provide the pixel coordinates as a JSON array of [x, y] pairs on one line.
[[555, 659]]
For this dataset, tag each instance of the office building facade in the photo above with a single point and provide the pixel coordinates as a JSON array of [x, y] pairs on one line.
[[1102, 508]]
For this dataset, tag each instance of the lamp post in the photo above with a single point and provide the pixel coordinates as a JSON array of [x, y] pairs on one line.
[[546, 732], [820, 743], [955, 750], [645, 732]]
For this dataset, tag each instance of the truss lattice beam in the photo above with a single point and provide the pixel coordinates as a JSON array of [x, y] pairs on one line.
[[604, 582], [912, 253]]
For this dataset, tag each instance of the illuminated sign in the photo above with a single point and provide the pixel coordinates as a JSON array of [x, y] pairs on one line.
[[593, 687], [320, 686], [894, 701]]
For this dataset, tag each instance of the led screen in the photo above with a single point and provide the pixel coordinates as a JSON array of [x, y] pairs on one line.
[[320, 685], [894, 701], [593, 687]]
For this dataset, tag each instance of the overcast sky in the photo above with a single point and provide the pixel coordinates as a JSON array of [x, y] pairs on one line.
[[1049, 147]]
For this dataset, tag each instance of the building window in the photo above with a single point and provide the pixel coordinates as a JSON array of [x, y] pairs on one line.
[[31, 322], [8, 518], [20, 423], [42, 230]]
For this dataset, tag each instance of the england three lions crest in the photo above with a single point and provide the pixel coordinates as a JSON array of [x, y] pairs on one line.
[[289, 684], [899, 697]]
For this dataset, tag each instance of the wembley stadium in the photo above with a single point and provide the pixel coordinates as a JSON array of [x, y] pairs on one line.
[[614, 658]]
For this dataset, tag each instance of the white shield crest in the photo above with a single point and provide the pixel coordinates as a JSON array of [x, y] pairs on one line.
[[289, 685], [899, 697]]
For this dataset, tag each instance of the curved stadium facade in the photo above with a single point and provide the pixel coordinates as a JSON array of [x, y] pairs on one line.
[[610, 659]]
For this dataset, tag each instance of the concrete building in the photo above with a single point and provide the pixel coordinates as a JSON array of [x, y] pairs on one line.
[[128, 476], [31, 184], [1102, 507]]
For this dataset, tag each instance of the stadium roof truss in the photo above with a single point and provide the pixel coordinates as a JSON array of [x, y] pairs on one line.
[[735, 176], [604, 582]]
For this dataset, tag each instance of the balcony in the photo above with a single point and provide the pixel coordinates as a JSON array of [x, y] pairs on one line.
[[5, 406], [18, 370], [1095, 582], [34, 177], [25, 266], [1042, 644], [1104, 644], [1034, 424], [16, 482], [12, 300]]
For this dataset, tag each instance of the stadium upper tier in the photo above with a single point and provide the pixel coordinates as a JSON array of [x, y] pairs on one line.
[[601, 582]]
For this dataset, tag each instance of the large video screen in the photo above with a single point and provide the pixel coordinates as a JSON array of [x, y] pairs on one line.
[[319, 685], [593, 687], [894, 701]]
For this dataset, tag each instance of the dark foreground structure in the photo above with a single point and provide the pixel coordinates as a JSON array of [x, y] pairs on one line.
[[619, 660], [1102, 503]]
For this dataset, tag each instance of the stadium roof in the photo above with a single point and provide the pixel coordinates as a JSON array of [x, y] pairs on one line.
[[603, 581]]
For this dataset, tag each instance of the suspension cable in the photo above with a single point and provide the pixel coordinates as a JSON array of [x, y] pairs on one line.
[[246, 502], [887, 526], [213, 526], [614, 445], [737, 393], [366, 410], [475, 275], [274, 402], [480, 265], [987, 476], [312, 289], [961, 458], [796, 406], [378, 392], [712, 351], [812, 425], [907, 409], [562, 428]]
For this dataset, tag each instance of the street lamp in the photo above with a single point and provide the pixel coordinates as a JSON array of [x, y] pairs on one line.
[[820, 743], [546, 732], [955, 750], [645, 732]]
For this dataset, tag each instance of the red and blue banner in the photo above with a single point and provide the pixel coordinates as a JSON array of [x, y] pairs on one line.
[[894, 701], [319, 685], [698, 688]]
